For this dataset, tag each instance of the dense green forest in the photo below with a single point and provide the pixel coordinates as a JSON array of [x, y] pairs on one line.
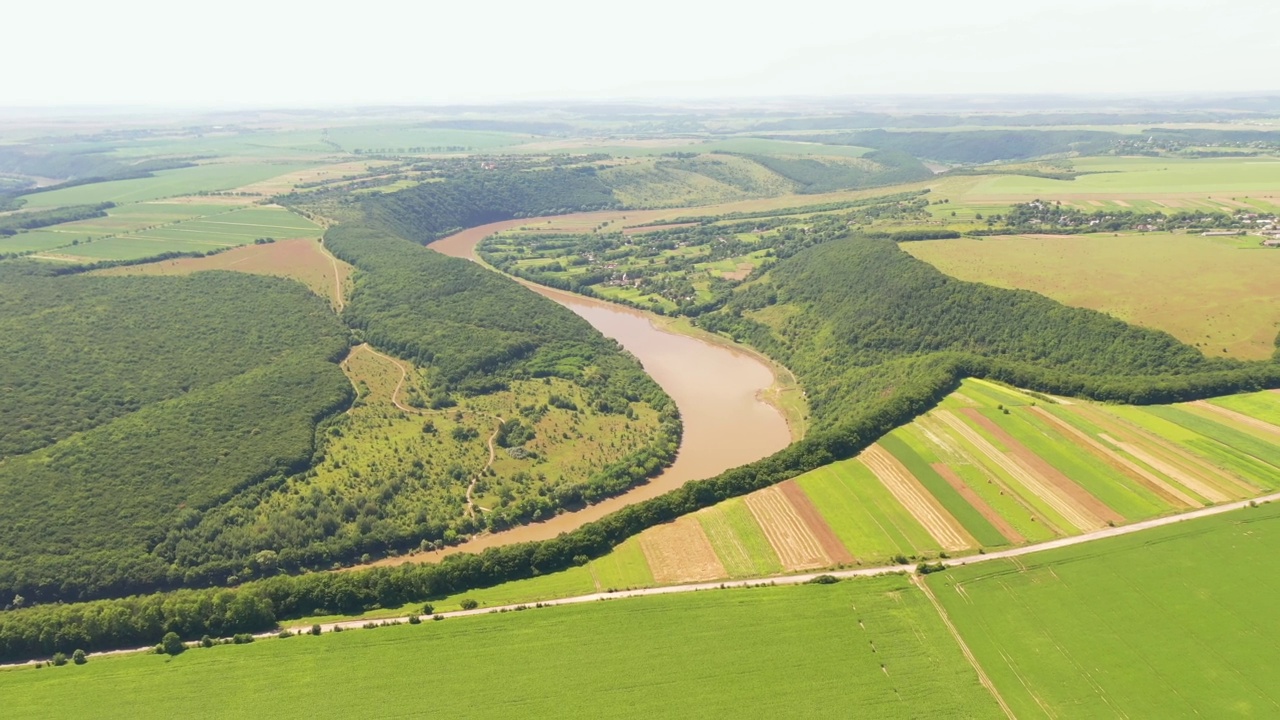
[[474, 197], [11, 224], [972, 146], [146, 401], [855, 317], [889, 167], [81, 350]]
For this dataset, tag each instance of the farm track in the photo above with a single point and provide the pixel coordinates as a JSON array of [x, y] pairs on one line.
[[918, 501], [776, 580]]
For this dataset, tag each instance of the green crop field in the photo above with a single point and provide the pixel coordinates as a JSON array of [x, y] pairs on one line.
[[371, 139], [164, 184], [1122, 176], [1226, 303], [802, 651], [155, 231], [1168, 622]]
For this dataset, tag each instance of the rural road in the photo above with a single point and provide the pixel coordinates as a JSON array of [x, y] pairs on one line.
[[777, 580]]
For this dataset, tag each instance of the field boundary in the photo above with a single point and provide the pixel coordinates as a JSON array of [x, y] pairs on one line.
[[758, 581]]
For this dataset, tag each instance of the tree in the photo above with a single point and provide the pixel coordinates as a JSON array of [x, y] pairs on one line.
[[172, 644], [59, 659], [469, 604], [78, 657]]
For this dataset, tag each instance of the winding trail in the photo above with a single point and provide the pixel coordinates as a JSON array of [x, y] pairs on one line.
[[395, 400]]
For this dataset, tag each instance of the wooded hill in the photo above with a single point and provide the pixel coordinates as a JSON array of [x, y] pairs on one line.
[[147, 400]]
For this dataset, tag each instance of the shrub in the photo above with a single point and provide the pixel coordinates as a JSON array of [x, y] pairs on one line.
[[428, 609], [78, 657], [172, 644], [901, 559], [59, 659], [414, 620], [315, 630], [926, 568], [284, 634], [824, 580], [242, 638], [469, 604]]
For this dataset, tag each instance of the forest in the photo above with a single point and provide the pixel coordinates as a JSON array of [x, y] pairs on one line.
[[886, 167], [182, 393], [474, 197]]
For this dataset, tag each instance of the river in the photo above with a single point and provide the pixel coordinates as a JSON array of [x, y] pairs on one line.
[[717, 388]]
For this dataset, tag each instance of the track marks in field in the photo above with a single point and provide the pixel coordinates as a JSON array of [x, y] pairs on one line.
[[808, 512], [680, 552], [786, 531], [899, 481]]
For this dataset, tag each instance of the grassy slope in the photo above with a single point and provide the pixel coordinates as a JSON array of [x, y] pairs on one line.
[[1163, 623], [779, 652]]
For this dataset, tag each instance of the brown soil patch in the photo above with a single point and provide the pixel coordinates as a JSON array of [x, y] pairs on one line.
[[1170, 494], [1009, 532], [923, 506], [1241, 418], [1121, 203], [791, 539], [808, 512], [1064, 484], [1066, 506], [300, 259], [744, 269], [680, 552]]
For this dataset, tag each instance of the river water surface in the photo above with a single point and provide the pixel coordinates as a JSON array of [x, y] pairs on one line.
[[717, 388]]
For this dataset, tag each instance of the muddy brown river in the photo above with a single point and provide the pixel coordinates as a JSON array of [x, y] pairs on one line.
[[717, 388]]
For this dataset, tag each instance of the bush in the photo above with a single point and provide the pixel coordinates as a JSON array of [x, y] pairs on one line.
[[171, 644], [901, 559], [284, 634], [469, 604], [926, 568], [78, 657], [242, 638], [414, 620], [823, 580], [428, 609], [59, 659], [206, 642], [315, 630]]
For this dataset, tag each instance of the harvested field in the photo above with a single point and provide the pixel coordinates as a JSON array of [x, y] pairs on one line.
[[680, 552], [1009, 531], [303, 260], [792, 540], [915, 498], [831, 545]]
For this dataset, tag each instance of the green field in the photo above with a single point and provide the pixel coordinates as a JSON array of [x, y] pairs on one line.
[[403, 138], [1227, 301], [801, 651], [1169, 622], [160, 228], [1121, 176], [164, 184]]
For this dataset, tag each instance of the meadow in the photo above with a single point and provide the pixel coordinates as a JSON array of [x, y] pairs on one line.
[[1169, 622], [1218, 294], [800, 651]]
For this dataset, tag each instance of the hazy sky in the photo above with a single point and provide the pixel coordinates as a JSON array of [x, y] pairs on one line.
[[266, 52]]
